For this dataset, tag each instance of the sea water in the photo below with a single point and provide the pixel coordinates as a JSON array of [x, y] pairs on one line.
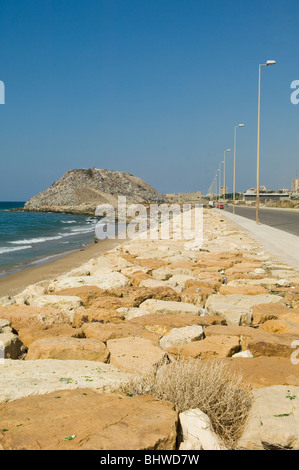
[[34, 238]]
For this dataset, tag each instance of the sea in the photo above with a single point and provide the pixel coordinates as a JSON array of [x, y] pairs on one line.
[[35, 238]]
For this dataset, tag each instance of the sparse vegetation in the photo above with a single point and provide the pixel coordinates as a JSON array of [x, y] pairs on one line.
[[207, 385]]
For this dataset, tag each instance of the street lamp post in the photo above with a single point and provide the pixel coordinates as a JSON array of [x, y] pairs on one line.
[[235, 150], [269, 62], [227, 150]]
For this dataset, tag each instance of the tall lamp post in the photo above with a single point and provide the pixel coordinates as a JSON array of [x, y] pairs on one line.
[[224, 192], [269, 62], [235, 150]]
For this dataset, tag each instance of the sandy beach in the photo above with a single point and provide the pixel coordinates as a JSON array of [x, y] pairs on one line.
[[15, 283]]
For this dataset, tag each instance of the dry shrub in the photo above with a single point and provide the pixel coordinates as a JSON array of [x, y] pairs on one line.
[[207, 385]]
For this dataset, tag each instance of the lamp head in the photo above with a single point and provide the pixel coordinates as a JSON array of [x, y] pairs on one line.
[[241, 125], [271, 62]]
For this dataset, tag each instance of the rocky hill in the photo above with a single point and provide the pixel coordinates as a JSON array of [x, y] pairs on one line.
[[81, 191]]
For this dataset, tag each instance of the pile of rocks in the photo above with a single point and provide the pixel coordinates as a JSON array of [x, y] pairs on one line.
[[121, 314]]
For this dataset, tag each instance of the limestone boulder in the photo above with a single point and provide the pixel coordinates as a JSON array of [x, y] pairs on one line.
[[163, 324], [264, 312], [19, 379], [197, 432], [87, 420], [29, 335], [259, 372], [68, 349], [133, 312], [243, 290], [271, 345], [63, 303], [11, 347], [108, 280], [5, 326], [179, 336], [135, 355], [273, 420], [196, 295], [101, 315], [169, 307], [23, 316], [208, 348], [105, 332]]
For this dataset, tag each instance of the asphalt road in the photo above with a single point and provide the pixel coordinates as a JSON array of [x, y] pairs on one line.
[[281, 219]]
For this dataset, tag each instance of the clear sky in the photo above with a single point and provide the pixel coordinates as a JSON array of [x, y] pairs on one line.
[[150, 87]]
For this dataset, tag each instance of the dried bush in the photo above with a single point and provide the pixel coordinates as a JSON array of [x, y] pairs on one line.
[[207, 385]]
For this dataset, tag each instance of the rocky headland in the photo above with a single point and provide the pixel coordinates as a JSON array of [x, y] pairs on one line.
[[81, 191], [157, 344]]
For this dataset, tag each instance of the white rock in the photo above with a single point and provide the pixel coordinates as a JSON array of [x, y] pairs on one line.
[[283, 283], [273, 419], [64, 303], [246, 353], [19, 379], [108, 280], [197, 431], [132, 312], [180, 336]]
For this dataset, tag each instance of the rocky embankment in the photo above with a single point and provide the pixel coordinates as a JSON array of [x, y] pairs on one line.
[[74, 344], [81, 191]]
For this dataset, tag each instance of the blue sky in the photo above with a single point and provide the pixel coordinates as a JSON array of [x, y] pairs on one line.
[[150, 87]]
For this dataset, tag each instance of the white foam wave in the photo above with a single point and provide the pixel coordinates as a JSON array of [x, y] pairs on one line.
[[68, 221], [9, 249], [36, 240]]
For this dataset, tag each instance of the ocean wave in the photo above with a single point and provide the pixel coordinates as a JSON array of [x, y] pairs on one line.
[[68, 221], [36, 240], [8, 249], [82, 229]]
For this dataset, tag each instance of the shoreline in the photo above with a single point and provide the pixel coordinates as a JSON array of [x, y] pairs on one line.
[[15, 283]]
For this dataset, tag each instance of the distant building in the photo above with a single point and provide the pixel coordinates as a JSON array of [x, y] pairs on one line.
[[223, 190], [295, 185], [251, 196]]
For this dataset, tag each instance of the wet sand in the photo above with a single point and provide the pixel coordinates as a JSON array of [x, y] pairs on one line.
[[15, 283]]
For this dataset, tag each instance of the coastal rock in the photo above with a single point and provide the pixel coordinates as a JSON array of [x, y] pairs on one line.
[[133, 312], [197, 432], [101, 315], [5, 326], [23, 316], [65, 348], [29, 335], [273, 420], [65, 303], [264, 312], [168, 307], [115, 331], [180, 336], [208, 348], [94, 421], [19, 379], [107, 281], [135, 355], [11, 347], [163, 324], [259, 372]]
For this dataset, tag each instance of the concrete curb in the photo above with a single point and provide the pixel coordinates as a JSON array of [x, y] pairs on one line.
[[281, 244]]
